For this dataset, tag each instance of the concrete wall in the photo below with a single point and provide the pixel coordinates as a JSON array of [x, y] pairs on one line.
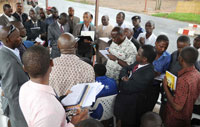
[[188, 6]]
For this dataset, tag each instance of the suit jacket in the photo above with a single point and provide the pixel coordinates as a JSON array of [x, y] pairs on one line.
[[31, 36], [83, 47], [3, 20], [54, 33], [130, 102], [73, 23], [24, 17], [12, 78]]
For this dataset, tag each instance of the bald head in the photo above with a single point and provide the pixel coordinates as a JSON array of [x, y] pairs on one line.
[[66, 43], [151, 119], [105, 20]]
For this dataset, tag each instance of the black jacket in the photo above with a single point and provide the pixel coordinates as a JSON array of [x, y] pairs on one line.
[[24, 17]]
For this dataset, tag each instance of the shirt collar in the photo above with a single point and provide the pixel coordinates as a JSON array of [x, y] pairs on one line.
[[15, 51], [184, 70], [58, 24], [139, 66], [41, 87], [9, 18]]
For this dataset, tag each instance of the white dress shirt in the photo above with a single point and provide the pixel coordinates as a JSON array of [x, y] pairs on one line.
[[148, 41], [11, 18]]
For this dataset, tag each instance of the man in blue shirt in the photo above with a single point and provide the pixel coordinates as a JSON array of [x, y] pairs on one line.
[[110, 88], [161, 64], [137, 28]]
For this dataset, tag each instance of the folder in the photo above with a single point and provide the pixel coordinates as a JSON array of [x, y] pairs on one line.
[[171, 80]]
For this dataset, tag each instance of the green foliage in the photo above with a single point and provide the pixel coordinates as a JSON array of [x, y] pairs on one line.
[[188, 17]]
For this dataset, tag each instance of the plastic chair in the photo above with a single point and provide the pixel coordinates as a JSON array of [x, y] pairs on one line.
[[108, 106]]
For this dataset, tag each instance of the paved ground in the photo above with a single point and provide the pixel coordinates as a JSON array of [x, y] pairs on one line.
[[163, 26]]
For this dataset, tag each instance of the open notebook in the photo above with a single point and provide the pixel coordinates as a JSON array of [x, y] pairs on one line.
[[82, 94]]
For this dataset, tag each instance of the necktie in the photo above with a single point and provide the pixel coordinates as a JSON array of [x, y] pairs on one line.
[[135, 68], [61, 29]]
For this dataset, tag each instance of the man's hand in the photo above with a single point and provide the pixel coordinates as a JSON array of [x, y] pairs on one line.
[[165, 83], [125, 78], [81, 115], [68, 92], [142, 40], [112, 57]]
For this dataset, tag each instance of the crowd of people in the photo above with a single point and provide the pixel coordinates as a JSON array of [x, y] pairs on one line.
[[35, 76]]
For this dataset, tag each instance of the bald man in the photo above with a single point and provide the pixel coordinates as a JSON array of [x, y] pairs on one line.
[[73, 20], [12, 75], [151, 119], [103, 30], [69, 69]]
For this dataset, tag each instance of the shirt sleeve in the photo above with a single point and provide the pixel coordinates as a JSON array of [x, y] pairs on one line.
[[181, 92], [131, 55]]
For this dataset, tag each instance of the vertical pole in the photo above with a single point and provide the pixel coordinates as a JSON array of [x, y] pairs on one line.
[[96, 12], [46, 4], [145, 7]]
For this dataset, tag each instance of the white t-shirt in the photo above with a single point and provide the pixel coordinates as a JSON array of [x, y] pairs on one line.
[[150, 41]]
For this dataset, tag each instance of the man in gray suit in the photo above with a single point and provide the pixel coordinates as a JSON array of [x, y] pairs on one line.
[[7, 16], [84, 45], [54, 31], [12, 75], [73, 20]]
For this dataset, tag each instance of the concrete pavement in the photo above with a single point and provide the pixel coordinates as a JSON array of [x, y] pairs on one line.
[[163, 26]]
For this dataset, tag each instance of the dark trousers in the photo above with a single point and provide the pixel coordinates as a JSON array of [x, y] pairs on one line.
[[153, 94]]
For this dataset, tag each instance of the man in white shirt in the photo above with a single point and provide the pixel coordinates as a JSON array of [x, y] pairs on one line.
[[7, 16], [120, 20], [38, 101], [122, 52], [148, 37]]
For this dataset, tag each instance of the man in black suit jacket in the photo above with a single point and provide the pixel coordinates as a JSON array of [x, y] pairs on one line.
[[54, 32], [35, 27], [19, 15], [135, 80]]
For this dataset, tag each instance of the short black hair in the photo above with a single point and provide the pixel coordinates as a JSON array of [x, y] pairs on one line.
[[36, 60], [183, 39], [5, 6], [149, 52], [100, 69], [189, 55], [119, 30], [150, 119], [136, 17], [122, 13], [162, 38], [63, 15], [89, 123]]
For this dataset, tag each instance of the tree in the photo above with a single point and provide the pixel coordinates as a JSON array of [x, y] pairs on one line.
[[158, 4]]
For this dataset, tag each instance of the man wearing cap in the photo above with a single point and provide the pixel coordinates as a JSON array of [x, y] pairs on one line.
[[73, 20], [137, 28], [48, 11], [70, 66]]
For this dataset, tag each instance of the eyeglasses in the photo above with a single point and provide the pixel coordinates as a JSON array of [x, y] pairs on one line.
[[11, 30]]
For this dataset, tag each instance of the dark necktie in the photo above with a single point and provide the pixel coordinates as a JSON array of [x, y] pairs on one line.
[[135, 68]]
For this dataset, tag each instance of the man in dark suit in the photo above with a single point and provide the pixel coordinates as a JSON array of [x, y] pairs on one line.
[[73, 20], [55, 30], [52, 19], [19, 15], [135, 80], [7, 16], [34, 27], [84, 45], [12, 75]]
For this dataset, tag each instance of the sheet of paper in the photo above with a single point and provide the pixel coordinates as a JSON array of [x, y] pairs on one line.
[[105, 39], [104, 53], [40, 41], [74, 97], [88, 33], [160, 78]]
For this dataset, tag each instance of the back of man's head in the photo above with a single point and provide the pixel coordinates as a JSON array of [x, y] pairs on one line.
[[189, 55], [151, 119], [149, 52], [183, 39], [36, 60], [100, 69], [89, 123]]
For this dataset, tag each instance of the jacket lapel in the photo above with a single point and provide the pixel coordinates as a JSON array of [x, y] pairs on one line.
[[12, 54]]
